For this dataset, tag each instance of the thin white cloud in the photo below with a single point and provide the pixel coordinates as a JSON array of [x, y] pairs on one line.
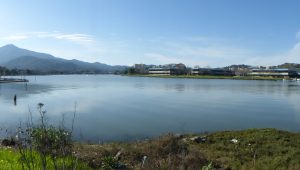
[[44, 34], [206, 40], [205, 51], [291, 55], [14, 37], [298, 34], [74, 45], [79, 38], [164, 59], [294, 54], [198, 51], [210, 51]]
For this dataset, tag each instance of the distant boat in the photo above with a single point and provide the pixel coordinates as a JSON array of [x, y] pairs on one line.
[[12, 80]]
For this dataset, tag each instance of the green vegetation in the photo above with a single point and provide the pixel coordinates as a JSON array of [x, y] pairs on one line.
[[42, 146], [14, 72], [6, 71], [253, 149], [10, 159], [207, 77], [52, 145], [294, 66], [247, 149]]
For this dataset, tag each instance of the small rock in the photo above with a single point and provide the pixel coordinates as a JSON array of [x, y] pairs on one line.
[[234, 141], [120, 166], [118, 155], [178, 135], [8, 142], [144, 160], [199, 139]]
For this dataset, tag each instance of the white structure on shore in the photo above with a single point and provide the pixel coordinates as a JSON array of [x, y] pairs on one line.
[[278, 72]]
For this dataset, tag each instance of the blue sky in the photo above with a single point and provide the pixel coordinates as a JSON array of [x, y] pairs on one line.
[[123, 32]]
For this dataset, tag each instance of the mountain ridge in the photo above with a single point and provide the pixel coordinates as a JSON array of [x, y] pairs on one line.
[[14, 57]]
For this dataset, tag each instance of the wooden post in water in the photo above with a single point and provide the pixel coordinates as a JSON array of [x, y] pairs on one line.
[[15, 100]]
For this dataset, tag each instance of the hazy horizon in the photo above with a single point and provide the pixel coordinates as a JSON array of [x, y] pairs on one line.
[[195, 32]]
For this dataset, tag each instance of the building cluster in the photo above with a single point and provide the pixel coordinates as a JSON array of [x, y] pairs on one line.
[[275, 72], [168, 69], [233, 70]]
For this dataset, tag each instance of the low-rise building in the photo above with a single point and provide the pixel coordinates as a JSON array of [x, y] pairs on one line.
[[162, 71], [278, 72], [240, 69], [170, 69], [212, 72]]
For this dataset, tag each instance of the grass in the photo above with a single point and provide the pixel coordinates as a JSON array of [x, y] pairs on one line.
[[10, 160], [256, 149], [266, 149], [166, 152], [207, 77]]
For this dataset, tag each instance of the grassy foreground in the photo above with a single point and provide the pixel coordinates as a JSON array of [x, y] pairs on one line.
[[10, 160], [247, 149], [254, 149], [206, 77]]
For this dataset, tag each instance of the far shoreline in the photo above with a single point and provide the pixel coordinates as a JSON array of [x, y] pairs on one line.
[[206, 77], [172, 76]]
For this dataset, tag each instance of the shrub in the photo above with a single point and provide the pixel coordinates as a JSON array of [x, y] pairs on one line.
[[109, 163], [208, 167], [52, 144]]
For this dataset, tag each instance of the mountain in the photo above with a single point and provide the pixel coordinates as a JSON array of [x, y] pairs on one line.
[[10, 51], [237, 66], [13, 57], [289, 65], [293, 66]]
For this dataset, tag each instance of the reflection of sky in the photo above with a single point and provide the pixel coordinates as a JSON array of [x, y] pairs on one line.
[[118, 107]]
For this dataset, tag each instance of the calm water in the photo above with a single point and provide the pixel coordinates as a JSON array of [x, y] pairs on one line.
[[126, 108]]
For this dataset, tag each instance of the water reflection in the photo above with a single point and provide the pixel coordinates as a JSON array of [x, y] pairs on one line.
[[179, 87], [127, 108], [8, 90], [139, 85], [15, 100]]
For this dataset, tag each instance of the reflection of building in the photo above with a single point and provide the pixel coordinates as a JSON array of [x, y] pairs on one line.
[[212, 72], [282, 72]]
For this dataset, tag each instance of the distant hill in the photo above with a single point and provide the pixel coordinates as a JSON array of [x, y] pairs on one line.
[[13, 57], [289, 65], [237, 67], [293, 66], [10, 52]]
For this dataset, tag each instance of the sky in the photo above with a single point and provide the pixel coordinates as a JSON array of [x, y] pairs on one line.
[[201, 33]]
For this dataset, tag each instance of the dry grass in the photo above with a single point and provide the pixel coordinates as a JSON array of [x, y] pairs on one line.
[[255, 149], [167, 152]]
